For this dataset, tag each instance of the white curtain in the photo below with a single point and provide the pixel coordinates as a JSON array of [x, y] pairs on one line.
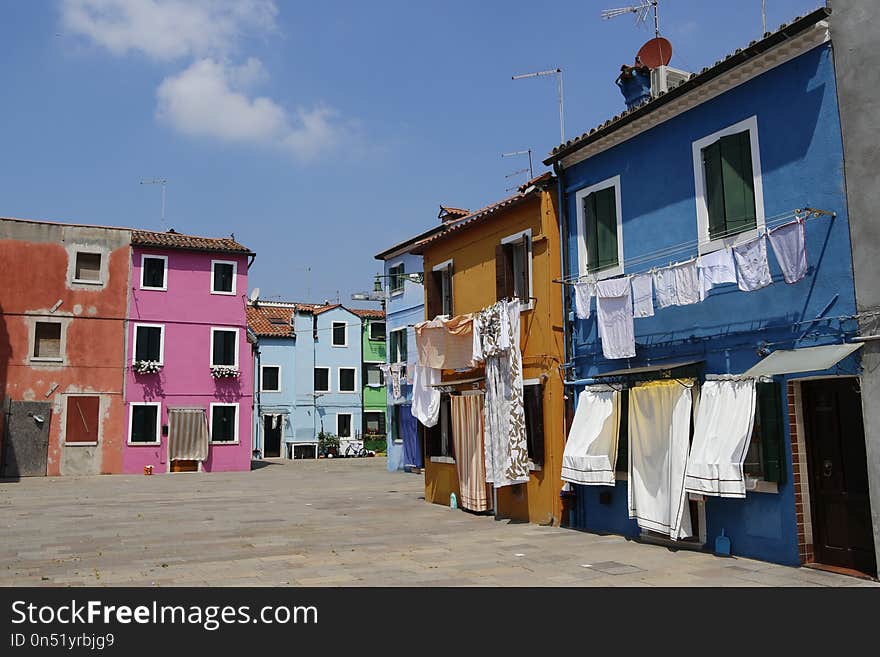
[[591, 449], [659, 437], [722, 432]]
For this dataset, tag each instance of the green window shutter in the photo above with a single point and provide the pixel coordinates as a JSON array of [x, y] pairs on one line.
[[714, 190], [606, 224], [591, 230], [769, 408], [739, 190]]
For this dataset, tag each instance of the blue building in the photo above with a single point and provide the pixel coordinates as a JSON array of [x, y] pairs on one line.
[[709, 164], [309, 362]]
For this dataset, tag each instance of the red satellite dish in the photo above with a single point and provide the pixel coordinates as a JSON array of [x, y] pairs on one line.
[[657, 52]]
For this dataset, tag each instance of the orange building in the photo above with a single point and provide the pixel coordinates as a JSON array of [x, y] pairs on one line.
[[509, 249]]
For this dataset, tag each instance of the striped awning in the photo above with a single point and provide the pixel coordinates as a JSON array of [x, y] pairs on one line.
[[188, 434]]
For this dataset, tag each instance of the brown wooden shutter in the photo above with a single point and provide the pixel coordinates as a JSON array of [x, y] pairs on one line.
[[503, 273], [433, 295], [82, 419]]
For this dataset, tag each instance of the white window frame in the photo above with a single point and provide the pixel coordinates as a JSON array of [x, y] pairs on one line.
[[333, 334], [445, 268], [524, 236], [395, 293], [101, 268], [211, 440], [329, 382], [390, 355], [158, 406], [234, 264], [262, 388], [339, 380], [62, 349], [583, 252], [229, 329], [374, 323], [164, 287], [161, 328], [350, 435], [707, 245]]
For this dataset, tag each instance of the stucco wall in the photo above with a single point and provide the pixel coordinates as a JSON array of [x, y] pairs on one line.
[[279, 352]]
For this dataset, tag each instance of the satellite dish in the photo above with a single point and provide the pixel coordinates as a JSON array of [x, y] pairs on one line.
[[254, 295], [656, 52]]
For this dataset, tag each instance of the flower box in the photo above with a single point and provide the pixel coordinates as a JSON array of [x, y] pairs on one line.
[[146, 367], [224, 372]]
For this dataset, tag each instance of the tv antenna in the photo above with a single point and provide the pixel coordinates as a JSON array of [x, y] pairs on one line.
[[558, 73], [641, 12], [163, 182], [519, 171]]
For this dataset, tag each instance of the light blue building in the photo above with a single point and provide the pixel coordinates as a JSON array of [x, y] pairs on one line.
[[715, 161]]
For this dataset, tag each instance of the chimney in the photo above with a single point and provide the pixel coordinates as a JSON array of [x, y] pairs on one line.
[[449, 214]]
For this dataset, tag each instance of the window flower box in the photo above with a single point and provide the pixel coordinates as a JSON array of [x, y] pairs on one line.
[[224, 372], [146, 367]]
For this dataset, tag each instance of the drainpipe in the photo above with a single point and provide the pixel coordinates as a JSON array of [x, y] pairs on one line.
[[563, 229], [259, 412]]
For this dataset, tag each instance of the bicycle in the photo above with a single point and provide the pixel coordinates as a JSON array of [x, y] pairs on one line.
[[354, 450]]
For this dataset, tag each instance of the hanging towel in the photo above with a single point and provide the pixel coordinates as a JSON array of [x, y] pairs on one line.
[[659, 433], [664, 287], [790, 248], [687, 283], [590, 452], [715, 268], [722, 432], [643, 295], [446, 343], [467, 438], [395, 380], [752, 271], [614, 311], [583, 294], [409, 432], [426, 398]]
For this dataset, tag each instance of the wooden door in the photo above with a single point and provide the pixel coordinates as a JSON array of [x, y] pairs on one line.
[[835, 438], [26, 441]]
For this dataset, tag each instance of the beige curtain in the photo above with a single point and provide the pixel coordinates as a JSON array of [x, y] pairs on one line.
[[467, 436], [187, 434]]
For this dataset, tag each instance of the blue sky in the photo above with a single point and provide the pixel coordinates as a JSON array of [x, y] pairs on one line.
[[317, 133]]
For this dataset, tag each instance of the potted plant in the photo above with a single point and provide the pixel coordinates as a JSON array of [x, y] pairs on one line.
[[328, 444], [224, 371], [146, 367]]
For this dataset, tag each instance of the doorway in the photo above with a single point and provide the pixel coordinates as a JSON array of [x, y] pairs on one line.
[[26, 443], [835, 439], [272, 435]]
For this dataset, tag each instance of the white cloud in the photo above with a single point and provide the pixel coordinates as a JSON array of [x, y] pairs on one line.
[[208, 99], [168, 29]]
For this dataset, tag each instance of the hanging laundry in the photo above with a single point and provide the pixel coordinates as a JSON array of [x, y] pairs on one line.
[[409, 433], [583, 294], [477, 339], [426, 398], [664, 287], [395, 380], [752, 271], [276, 421], [590, 452], [446, 343], [715, 268], [643, 295], [790, 248], [468, 439], [687, 283], [614, 311]]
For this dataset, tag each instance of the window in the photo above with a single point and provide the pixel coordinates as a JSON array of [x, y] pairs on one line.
[[47, 341], [395, 278], [533, 401], [148, 342], [438, 439], [397, 350], [153, 270], [343, 425], [322, 379], [224, 426], [143, 424], [374, 424], [439, 290], [765, 458], [347, 379], [83, 417], [396, 435], [340, 334], [223, 277], [373, 376], [377, 331], [224, 347], [513, 267], [87, 268], [600, 231], [728, 189], [270, 378]]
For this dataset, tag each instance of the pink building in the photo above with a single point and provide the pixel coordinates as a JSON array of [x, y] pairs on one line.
[[189, 376]]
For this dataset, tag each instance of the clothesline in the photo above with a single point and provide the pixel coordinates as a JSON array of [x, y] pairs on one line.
[[684, 247]]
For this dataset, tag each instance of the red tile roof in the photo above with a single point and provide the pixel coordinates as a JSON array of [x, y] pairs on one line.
[[174, 240], [368, 313], [270, 321]]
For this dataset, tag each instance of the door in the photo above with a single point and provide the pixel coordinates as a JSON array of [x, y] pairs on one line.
[[26, 440], [272, 435], [835, 439]]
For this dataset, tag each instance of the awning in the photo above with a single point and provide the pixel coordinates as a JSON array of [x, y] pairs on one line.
[[658, 367], [806, 359]]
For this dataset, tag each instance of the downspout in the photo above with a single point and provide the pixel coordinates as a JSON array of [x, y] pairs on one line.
[[259, 405]]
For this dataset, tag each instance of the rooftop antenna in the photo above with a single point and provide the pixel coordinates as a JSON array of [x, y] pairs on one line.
[[519, 171], [763, 18], [163, 182], [558, 73], [641, 12]]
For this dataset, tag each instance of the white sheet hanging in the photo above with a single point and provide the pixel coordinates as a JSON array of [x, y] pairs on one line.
[[591, 449], [659, 435], [664, 287], [714, 269], [687, 283], [790, 248], [722, 432], [614, 312], [426, 398], [752, 270], [643, 295], [583, 294]]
